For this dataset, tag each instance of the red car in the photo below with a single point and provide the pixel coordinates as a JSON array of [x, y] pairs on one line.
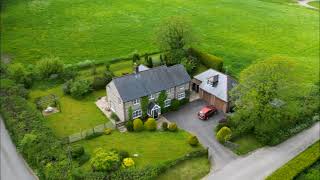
[[206, 112]]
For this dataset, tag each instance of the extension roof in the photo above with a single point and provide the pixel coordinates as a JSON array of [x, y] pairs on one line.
[[150, 81]]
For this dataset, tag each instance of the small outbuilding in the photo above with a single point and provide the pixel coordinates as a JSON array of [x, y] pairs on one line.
[[214, 87]]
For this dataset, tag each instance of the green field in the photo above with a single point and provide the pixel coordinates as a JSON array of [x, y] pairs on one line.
[[152, 147], [239, 31], [76, 115], [315, 4]]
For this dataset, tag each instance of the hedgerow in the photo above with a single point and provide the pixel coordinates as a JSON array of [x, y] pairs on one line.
[[208, 60]]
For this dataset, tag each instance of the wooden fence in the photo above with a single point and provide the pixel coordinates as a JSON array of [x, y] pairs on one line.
[[83, 134]]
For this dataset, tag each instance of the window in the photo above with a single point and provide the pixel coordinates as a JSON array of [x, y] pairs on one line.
[[136, 101], [182, 88], [167, 103], [151, 97], [137, 113], [181, 95]]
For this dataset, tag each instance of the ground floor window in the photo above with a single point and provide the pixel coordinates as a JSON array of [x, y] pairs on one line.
[[137, 113], [181, 95], [167, 103]]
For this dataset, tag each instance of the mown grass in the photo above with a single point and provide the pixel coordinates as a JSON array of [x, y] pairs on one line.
[[246, 144], [188, 170], [76, 115], [240, 32], [152, 147], [298, 164], [315, 4]]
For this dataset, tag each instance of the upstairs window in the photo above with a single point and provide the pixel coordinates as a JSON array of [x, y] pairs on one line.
[[167, 103], [136, 102], [151, 97], [181, 95], [137, 113]]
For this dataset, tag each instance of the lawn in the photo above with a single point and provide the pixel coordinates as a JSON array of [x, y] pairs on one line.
[[240, 32], [315, 4], [152, 147], [76, 115], [298, 164], [246, 144], [188, 170]]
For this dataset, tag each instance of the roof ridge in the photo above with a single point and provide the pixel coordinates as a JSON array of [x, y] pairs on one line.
[[131, 74]]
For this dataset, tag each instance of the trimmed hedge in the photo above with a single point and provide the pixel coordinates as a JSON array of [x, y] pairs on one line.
[[208, 60], [301, 162]]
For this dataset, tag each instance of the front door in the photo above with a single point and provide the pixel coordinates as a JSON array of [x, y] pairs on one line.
[[155, 113]]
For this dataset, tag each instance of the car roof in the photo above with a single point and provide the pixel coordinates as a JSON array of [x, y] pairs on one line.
[[206, 109]]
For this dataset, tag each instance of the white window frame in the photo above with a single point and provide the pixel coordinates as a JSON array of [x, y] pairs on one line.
[[181, 95], [136, 113], [151, 97], [136, 101], [182, 88], [166, 104]]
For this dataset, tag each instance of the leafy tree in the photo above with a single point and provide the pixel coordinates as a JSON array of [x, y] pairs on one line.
[[264, 98], [99, 83], [135, 57], [49, 66], [10, 88], [19, 73], [144, 106], [190, 65], [161, 98], [129, 125], [107, 65], [150, 124], [27, 143], [105, 161], [224, 134], [80, 88]]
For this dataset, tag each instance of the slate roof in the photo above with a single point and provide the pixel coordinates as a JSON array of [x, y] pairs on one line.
[[225, 84], [150, 81]]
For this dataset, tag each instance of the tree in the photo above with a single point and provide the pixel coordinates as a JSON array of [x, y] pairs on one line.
[[161, 98], [264, 98], [80, 88], [144, 106], [135, 57], [224, 134], [105, 161], [18, 73], [175, 35], [49, 66], [27, 143], [130, 112]]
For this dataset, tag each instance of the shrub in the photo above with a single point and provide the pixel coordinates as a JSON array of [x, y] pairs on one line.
[[137, 125], [173, 127], [105, 161], [66, 87], [127, 162], [224, 134], [219, 126], [93, 135], [83, 159], [151, 124], [9, 88], [77, 151], [49, 66], [123, 154], [99, 83], [115, 117], [18, 73], [69, 73], [193, 140], [84, 64], [129, 125], [208, 60], [107, 131], [175, 104], [164, 126], [79, 88]]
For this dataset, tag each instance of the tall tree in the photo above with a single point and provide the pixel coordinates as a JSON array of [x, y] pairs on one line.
[[263, 97]]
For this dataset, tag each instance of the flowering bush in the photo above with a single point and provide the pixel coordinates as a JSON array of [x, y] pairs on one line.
[[127, 162]]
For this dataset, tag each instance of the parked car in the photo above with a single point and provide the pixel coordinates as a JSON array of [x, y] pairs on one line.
[[206, 112]]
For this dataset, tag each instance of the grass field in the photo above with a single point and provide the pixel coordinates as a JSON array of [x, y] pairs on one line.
[[239, 31], [246, 144], [188, 170], [76, 115], [315, 4], [152, 147]]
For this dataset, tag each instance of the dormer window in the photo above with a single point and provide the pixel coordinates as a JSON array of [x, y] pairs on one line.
[[213, 81], [151, 97], [136, 102]]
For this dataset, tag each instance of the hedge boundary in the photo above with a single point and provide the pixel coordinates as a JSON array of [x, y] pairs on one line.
[[298, 164]]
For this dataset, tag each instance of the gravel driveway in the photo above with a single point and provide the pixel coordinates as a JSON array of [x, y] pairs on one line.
[[187, 119], [12, 164]]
